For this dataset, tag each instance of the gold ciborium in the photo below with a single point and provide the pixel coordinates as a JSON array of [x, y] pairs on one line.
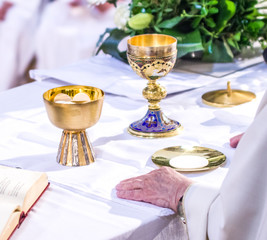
[[74, 109], [152, 56]]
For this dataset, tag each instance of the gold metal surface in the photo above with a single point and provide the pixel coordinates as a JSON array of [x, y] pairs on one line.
[[152, 45], [164, 156], [156, 134], [227, 97], [74, 117], [152, 56]]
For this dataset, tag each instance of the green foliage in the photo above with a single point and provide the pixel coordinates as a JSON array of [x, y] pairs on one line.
[[110, 44], [218, 28]]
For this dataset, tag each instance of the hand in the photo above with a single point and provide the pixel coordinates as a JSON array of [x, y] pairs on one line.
[[162, 187], [235, 140]]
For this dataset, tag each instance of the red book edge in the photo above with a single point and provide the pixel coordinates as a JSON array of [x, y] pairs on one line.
[[23, 215]]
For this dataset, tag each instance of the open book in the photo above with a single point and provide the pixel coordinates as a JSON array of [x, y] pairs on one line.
[[19, 190]]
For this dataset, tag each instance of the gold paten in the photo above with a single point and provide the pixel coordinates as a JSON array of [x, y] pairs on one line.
[[152, 56], [75, 148], [227, 97], [164, 156]]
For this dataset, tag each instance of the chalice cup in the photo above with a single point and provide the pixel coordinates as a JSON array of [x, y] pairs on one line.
[[152, 56], [74, 109]]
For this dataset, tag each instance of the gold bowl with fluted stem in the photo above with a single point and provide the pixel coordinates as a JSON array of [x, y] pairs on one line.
[[74, 109]]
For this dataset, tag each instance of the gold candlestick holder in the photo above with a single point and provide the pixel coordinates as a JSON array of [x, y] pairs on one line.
[[152, 56], [74, 109], [227, 97]]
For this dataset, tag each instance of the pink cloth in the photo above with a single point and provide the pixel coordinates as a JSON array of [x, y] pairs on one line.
[[76, 3], [4, 9]]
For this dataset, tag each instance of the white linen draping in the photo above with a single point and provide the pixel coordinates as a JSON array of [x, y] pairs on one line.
[[118, 78], [80, 202]]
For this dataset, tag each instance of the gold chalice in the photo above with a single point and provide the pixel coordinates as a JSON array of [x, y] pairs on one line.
[[152, 56], [74, 108]]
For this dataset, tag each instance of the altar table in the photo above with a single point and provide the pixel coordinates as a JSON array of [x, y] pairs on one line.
[[80, 202]]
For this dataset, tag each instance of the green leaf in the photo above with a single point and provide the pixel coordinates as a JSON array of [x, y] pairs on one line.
[[195, 22], [170, 23], [210, 22], [114, 2], [233, 43], [255, 26], [157, 29], [205, 31], [227, 10], [252, 15], [237, 36], [140, 21], [111, 43], [220, 52], [186, 42], [213, 10], [204, 11], [208, 46], [159, 19], [211, 3], [167, 10]]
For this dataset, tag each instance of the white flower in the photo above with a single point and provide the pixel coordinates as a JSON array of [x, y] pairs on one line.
[[122, 16], [96, 2]]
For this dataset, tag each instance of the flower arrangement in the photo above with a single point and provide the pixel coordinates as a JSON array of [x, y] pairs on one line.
[[217, 29]]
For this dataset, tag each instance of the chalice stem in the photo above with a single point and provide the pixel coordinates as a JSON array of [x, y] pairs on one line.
[[75, 149], [154, 92]]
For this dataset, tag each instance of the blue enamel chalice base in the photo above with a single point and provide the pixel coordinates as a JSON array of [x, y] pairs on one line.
[[155, 124]]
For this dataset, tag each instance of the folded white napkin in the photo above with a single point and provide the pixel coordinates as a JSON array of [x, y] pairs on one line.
[[116, 77]]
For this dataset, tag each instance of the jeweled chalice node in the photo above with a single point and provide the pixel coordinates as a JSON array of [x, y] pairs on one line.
[[74, 109], [152, 56]]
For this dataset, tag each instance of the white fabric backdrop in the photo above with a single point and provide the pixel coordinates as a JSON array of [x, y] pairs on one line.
[[17, 33], [67, 34]]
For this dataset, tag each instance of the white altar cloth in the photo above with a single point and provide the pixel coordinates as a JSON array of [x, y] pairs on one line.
[[80, 202]]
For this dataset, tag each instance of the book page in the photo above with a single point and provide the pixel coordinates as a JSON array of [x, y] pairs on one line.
[[19, 190], [16, 183], [10, 215]]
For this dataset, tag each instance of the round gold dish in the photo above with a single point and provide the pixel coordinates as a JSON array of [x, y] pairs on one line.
[[227, 97], [189, 159]]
